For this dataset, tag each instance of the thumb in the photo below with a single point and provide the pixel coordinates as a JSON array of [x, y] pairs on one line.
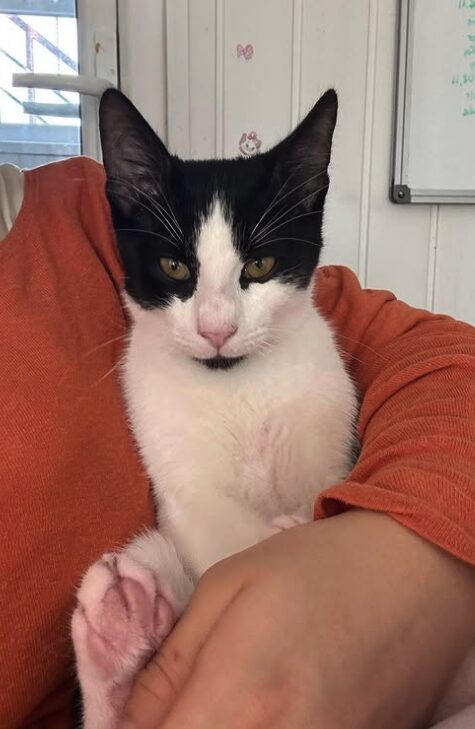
[[159, 683]]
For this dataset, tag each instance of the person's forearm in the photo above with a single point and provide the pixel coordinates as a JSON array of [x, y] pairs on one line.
[[352, 621], [423, 613]]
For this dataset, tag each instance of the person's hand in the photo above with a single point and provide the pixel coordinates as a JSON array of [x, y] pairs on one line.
[[349, 623]]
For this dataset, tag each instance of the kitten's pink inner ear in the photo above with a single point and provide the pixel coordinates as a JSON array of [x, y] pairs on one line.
[[219, 335]]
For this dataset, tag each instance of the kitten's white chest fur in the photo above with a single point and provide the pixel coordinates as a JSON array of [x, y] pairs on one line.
[[228, 451]]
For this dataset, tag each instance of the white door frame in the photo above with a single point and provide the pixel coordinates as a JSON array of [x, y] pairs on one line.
[[98, 56]]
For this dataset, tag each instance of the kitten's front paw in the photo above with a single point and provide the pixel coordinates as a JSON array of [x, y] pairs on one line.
[[121, 618]]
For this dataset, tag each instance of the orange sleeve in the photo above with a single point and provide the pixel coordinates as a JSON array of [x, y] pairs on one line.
[[71, 482], [415, 373]]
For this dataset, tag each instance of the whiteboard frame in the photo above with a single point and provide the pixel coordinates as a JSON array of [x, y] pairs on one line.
[[399, 191]]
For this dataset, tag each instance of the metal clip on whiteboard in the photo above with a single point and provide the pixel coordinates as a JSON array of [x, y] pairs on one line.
[[400, 194]]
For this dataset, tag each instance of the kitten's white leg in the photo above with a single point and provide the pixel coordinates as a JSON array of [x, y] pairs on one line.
[[461, 691], [127, 604], [287, 521], [215, 526]]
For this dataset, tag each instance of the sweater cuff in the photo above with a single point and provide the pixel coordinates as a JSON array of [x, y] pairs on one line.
[[419, 516]]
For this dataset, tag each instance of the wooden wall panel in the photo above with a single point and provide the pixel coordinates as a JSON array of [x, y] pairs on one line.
[[334, 54], [454, 281], [398, 237], [241, 66]]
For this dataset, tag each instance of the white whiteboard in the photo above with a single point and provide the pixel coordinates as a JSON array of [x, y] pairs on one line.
[[434, 152]]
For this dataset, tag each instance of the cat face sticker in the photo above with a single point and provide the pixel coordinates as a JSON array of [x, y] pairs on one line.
[[249, 144]]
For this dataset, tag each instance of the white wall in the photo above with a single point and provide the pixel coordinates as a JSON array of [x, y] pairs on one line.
[[425, 254], [142, 48]]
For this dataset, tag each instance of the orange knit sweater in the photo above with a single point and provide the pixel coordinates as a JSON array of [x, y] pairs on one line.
[[71, 485]]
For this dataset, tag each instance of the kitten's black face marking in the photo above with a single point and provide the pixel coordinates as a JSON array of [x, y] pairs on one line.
[[274, 201], [221, 363]]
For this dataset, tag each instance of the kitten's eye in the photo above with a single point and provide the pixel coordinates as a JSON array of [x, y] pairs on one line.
[[177, 270], [259, 268]]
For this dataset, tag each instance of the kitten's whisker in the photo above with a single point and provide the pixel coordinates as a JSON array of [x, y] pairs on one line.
[[275, 201], [294, 171], [275, 240], [264, 347], [274, 220], [290, 271], [276, 328], [108, 373], [271, 204], [277, 216], [291, 220], [122, 337], [147, 232], [153, 213], [365, 346], [172, 213], [160, 211], [170, 217], [141, 203]]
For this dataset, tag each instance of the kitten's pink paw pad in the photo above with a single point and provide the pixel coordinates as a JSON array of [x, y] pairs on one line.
[[286, 521], [121, 617]]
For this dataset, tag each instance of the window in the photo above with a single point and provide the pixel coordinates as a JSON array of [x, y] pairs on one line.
[[44, 119]]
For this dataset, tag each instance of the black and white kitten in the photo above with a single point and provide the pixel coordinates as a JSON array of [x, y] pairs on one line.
[[236, 393]]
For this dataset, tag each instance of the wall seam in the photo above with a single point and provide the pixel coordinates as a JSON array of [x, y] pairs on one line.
[[370, 88], [297, 22], [432, 258], [219, 118]]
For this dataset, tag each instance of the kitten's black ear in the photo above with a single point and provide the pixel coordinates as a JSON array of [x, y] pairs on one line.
[[303, 157], [135, 160]]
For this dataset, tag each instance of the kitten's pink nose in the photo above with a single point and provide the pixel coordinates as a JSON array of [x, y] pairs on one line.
[[217, 337]]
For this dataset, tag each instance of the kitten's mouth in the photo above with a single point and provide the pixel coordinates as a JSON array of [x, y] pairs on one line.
[[220, 363]]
